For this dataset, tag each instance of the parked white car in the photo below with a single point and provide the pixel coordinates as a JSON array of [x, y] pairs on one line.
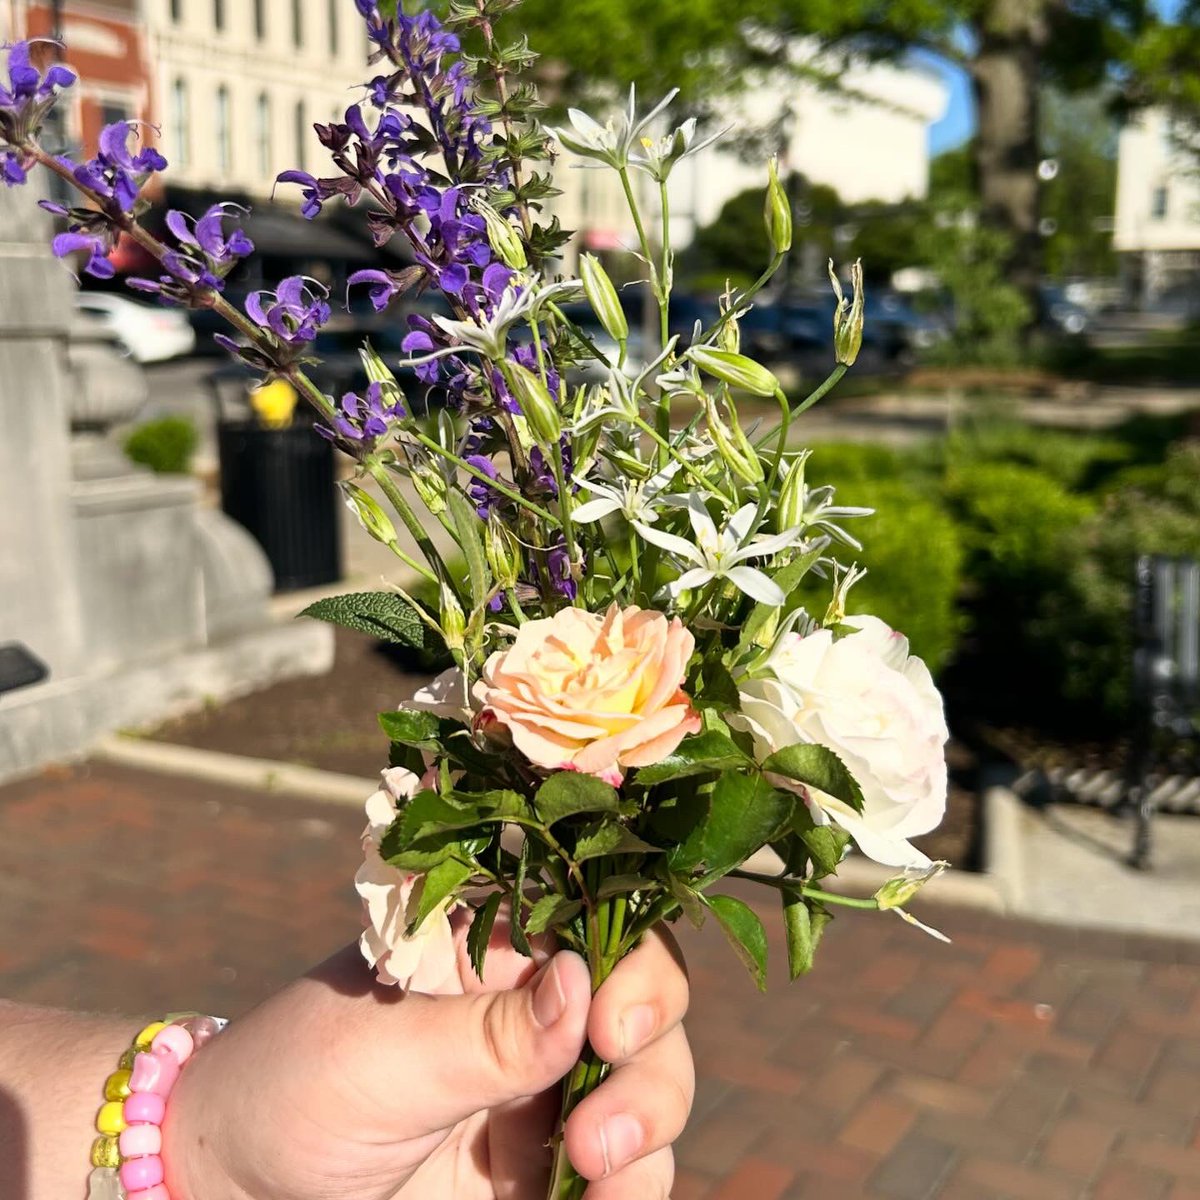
[[146, 332]]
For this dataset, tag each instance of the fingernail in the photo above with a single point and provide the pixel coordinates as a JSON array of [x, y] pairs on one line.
[[636, 1027], [620, 1139], [549, 1001]]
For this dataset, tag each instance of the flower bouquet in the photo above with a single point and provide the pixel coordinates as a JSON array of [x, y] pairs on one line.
[[639, 702]]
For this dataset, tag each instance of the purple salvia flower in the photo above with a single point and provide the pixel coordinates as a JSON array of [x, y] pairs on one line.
[[203, 256], [293, 312], [24, 102], [96, 244], [366, 418]]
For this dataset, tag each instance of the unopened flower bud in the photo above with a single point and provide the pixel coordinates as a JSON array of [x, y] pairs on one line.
[[603, 298], [452, 619], [835, 614], [431, 486], [792, 490], [848, 316], [730, 332], [503, 237], [370, 515], [735, 369], [733, 445], [536, 403], [777, 211], [899, 891], [503, 553]]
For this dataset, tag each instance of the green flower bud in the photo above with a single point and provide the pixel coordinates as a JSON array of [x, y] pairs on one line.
[[503, 237], [735, 369], [503, 553], [733, 445], [730, 333], [790, 511], [848, 316], [777, 211], [431, 487], [602, 296], [452, 619], [370, 516], [536, 403]]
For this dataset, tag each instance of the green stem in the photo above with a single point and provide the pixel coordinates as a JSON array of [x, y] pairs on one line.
[[665, 271], [798, 885], [391, 490], [752, 291], [831, 381], [689, 470]]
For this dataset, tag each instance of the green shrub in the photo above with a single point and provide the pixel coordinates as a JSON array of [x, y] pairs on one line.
[[165, 445], [848, 463], [914, 561]]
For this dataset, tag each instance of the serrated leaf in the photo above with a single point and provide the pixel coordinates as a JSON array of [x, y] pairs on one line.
[[429, 813], [695, 755], [825, 844], [480, 933], [622, 885], [438, 884], [383, 615], [817, 767], [746, 813], [421, 855], [516, 934], [549, 912], [690, 901], [470, 541], [567, 793], [745, 933], [411, 727], [717, 688], [609, 837]]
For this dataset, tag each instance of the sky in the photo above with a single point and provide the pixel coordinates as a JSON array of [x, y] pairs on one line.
[[959, 122]]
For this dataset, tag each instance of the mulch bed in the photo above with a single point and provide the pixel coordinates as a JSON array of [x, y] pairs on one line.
[[330, 723]]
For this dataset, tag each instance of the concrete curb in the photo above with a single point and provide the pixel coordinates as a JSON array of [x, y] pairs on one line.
[[1003, 862], [236, 770]]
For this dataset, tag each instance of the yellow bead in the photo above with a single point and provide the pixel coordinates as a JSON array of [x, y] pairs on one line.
[[111, 1118], [143, 1039], [105, 1152], [125, 1062], [116, 1086]]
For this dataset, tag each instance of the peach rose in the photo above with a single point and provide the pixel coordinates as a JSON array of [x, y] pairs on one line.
[[427, 961], [591, 693]]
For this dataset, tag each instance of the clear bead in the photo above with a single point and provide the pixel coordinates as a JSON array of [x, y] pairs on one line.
[[105, 1184]]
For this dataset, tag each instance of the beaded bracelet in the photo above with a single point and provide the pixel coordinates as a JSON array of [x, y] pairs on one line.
[[126, 1157]]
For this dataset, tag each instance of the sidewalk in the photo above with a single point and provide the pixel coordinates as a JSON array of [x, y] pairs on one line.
[[1023, 1062]]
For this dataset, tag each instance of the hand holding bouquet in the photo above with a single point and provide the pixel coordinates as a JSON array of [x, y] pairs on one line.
[[639, 702]]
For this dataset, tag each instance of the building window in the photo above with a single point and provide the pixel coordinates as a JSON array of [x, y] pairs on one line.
[[1158, 203], [262, 133], [333, 26], [176, 11], [301, 136], [181, 125], [111, 112], [224, 133], [297, 23], [260, 19], [219, 14]]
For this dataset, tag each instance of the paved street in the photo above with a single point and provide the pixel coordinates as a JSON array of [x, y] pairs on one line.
[[1021, 1063]]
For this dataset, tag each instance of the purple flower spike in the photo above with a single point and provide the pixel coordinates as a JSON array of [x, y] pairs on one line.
[[382, 287], [25, 100], [293, 312], [366, 419], [203, 256]]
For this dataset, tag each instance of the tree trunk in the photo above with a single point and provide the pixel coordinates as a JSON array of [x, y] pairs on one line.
[[1005, 74]]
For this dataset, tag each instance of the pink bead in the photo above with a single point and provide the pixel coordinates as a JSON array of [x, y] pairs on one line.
[[138, 1140], [154, 1073], [142, 1173], [174, 1040], [145, 1108], [158, 1192]]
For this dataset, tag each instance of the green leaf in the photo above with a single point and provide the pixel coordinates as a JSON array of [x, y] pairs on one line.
[[797, 926], [817, 767], [422, 855], [429, 813], [566, 793], [826, 844], [621, 885], [516, 935], [695, 755], [674, 818], [470, 540], [745, 933], [690, 901], [412, 728], [717, 688], [480, 933], [602, 838], [788, 578], [549, 912], [442, 881], [746, 813], [383, 615]]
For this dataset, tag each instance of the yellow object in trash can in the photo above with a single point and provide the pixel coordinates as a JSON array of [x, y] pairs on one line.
[[274, 403]]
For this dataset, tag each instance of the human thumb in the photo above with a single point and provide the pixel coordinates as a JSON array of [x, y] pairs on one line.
[[476, 1052]]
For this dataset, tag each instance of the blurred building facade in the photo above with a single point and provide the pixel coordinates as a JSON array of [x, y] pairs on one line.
[[105, 42], [1157, 231]]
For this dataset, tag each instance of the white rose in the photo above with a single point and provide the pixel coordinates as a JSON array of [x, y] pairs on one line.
[[427, 961], [865, 698]]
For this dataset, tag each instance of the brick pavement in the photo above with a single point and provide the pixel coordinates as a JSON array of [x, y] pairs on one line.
[[1024, 1062]]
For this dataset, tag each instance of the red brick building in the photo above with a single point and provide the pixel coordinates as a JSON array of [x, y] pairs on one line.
[[105, 44]]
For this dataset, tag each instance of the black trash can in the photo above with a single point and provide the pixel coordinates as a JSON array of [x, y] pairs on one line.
[[279, 485]]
